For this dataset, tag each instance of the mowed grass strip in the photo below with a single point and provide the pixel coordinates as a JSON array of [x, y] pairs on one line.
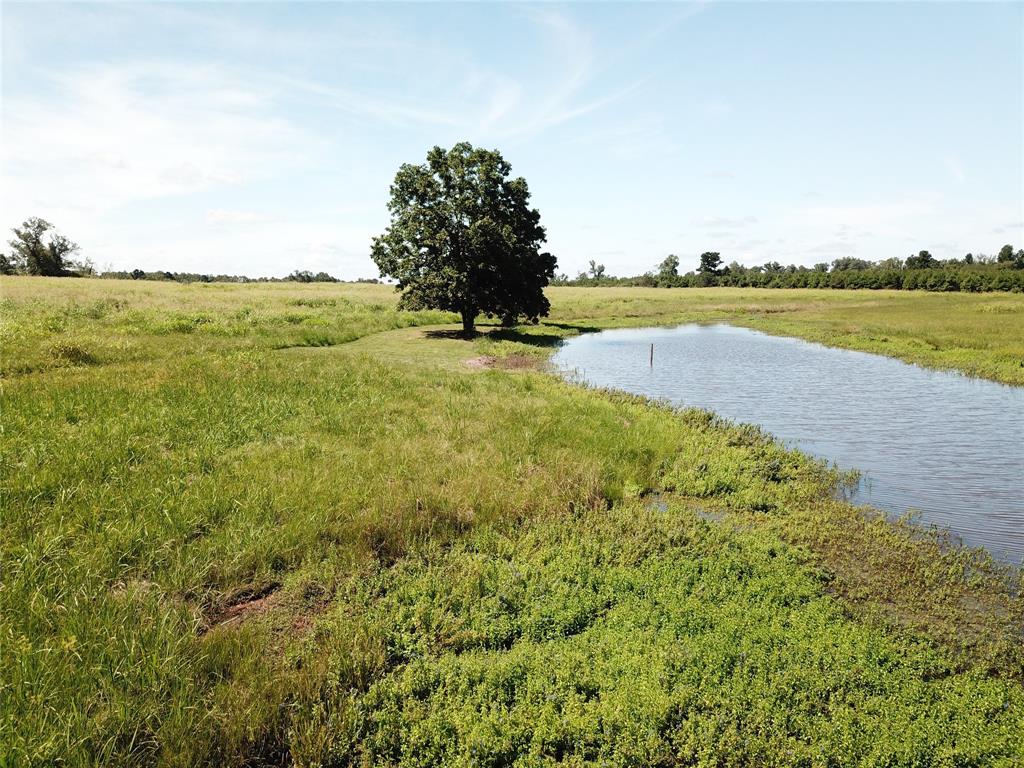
[[218, 551]]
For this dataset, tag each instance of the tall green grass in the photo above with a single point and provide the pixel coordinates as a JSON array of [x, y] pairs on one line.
[[44, 325], [223, 545], [631, 637]]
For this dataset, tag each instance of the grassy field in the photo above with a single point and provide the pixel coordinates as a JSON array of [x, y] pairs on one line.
[[287, 524]]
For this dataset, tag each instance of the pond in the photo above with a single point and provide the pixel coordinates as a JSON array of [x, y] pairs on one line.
[[945, 445]]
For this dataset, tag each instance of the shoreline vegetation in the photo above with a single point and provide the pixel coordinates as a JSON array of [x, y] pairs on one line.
[[286, 523]]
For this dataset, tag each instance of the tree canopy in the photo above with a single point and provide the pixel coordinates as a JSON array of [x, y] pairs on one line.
[[37, 249], [850, 262], [922, 271], [669, 267], [710, 263], [923, 260], [463, 238]]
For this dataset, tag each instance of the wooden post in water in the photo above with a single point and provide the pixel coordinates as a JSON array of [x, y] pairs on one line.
[[652, 355]]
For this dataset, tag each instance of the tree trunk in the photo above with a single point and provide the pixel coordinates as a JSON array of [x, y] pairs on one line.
[[468, 316]]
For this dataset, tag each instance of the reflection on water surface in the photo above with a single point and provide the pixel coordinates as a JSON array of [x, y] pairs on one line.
[[942, 443]]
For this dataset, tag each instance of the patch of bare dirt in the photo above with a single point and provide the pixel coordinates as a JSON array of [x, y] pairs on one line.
[[519, 362], [243, 605], [509, 363], [484, 361]]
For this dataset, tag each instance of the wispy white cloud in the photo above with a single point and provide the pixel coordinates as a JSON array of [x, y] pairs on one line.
[[573, 64], [832, 248], [718, 222], [370, 107], [1015, 228], [955, 168], [222, 216], [246, 136], [471, 97], [109, 136]]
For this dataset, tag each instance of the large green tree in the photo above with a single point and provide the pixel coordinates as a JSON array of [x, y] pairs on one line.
[[710, 263], [38, 250], [923, 260], [669, 268], [463, 238]]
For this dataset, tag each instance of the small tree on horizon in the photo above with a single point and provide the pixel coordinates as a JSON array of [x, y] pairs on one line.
[[463, 238], [710, 268], [923, 260], [669, 268], [710, 263], [7, 266], [37, 249]]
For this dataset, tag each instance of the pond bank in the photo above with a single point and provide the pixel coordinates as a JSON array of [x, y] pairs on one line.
[[981, 335], [937, 443]]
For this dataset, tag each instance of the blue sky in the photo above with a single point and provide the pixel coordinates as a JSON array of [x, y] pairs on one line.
[[261, 138]]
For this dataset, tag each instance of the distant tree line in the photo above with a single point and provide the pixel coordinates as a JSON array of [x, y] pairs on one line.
[[921, 271], [298, 276], [37, 249]]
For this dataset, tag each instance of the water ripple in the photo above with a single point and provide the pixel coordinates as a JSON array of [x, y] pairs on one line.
[[943, 444]]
